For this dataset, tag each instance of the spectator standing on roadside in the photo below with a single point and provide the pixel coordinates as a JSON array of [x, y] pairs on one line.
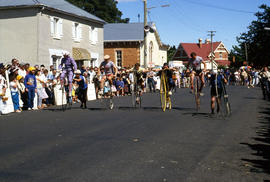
[[40, 89], [15, 95], [3, 87], [83, 69], [82, 82], [22, 92], [30, 83], [14, 64], [151, 81], [265, 84], [22, 70]]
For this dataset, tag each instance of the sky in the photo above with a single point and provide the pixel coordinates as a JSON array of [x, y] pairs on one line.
[[188, 20]]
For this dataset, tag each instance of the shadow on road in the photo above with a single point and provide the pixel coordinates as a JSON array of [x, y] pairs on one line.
[[251, 98], [261, 145], [154, 108]]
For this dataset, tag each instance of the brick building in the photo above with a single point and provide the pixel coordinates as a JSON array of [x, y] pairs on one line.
[[204, 50], [125, 44]]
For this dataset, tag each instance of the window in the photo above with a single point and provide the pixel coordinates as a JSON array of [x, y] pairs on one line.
[[220, 55], [119, 58], [77, 32], [93, 35], [56, 28], [56, 61]]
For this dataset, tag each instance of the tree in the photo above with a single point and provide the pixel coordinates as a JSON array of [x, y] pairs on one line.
[[257, 40], [104, 9], [237, 56], [171, 52]]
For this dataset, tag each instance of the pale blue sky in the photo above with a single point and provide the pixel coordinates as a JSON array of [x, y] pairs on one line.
[[189, 20]]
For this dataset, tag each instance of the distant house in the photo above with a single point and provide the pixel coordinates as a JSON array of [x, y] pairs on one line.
[[40, 31], [125, 44], [204, 50]]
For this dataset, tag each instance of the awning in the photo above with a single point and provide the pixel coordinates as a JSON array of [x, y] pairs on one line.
[[80, 54]]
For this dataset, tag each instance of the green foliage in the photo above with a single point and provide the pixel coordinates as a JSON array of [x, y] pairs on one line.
[[239, 56], [257, 40], [171, 52], [104, 9]]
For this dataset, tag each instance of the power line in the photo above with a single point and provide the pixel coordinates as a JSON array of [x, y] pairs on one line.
[[219, 7], [182, 21]]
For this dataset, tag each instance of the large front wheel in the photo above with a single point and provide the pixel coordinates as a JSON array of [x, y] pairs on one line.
[[163, 94]]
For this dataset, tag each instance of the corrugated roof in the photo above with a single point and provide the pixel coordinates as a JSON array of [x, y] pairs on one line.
[[60, 5], [123, 32]]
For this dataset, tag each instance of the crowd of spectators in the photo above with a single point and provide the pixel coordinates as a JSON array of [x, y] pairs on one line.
[[27, 82]]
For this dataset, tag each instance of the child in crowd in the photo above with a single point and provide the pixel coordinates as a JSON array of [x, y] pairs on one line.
[[22, 92], [119, 86], [15, 95]]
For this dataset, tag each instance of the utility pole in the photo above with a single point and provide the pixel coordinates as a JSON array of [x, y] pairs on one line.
[[246, 53], [212, 34], [145, 34]]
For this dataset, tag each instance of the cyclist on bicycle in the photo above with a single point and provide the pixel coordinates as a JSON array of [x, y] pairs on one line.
[[138, 72], [110, 71], [168, 75], [216, 81], [68, 65], [196, 70]]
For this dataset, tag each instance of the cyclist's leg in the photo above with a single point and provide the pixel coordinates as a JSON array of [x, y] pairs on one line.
[[102, 82], [192, 75], [70, 79], [213, 99], [140, 85], [202, 81], [170, 85], [62, 78]]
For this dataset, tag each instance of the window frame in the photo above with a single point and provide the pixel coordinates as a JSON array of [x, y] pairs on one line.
[[121, 59]]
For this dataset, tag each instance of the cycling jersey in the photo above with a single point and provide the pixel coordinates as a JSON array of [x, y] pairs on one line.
[[68, 65], [196, 63], [108, 67], [138, 73], [216, 82]]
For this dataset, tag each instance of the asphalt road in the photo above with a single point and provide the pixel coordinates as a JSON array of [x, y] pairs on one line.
[[139, 145]]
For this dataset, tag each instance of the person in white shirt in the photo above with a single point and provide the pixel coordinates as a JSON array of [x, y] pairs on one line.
[[41, 81], [15, 95]]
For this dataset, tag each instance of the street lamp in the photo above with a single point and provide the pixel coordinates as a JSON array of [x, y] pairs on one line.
[[266, 28]]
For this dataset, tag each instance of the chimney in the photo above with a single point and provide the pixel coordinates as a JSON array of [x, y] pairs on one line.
[[200, 43], [207, 41]]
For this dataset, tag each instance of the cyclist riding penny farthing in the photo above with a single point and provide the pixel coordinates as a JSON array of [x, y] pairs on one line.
[[106, 81], [138, 84], [68, 65], [197, 76]]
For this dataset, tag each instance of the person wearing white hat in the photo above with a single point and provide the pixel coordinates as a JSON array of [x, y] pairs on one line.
[[110, 70]]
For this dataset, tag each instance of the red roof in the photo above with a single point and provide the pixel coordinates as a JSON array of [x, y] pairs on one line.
[[203, 52]]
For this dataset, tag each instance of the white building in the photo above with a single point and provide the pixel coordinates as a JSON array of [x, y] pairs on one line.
[[125, 44], [39, 32]]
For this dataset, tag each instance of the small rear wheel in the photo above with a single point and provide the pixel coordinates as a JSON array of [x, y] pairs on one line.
[[64, 98], [196, 93]]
